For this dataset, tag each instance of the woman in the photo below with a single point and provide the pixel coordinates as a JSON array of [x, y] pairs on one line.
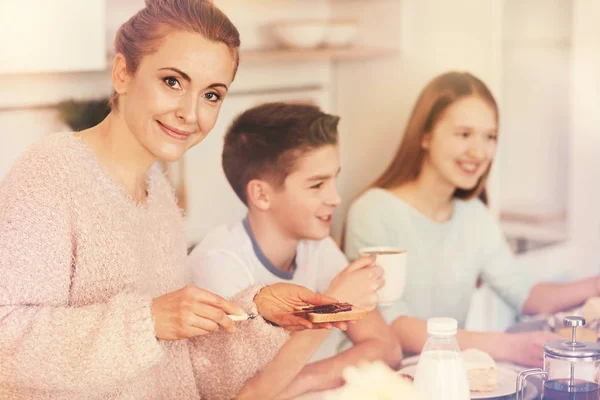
[[94, 301], [427, 202]]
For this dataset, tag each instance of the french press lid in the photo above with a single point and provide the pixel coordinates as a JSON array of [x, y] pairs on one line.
[[573, 349]]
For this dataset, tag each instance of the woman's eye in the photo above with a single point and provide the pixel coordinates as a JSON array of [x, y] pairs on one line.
[[464, 134], [317, 186], [493, 137], [172, 82], [212, 97]]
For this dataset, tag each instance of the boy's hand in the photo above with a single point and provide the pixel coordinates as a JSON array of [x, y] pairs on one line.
[[191, 311], [276, 303], [358, 283]]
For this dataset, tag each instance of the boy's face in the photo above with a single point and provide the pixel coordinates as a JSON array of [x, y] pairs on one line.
[[304, 204]]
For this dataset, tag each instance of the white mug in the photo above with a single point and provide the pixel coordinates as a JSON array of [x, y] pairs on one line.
[[393, 262]]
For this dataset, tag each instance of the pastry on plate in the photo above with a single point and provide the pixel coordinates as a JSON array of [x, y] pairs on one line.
[[482, 371]]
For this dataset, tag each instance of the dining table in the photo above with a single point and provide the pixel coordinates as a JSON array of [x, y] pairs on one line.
[[565, 262], [534, 385]]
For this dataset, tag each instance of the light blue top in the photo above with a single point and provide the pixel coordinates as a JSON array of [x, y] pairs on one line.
[[444, 259]]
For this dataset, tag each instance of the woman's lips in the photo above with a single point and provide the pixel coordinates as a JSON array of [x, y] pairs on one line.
[[174, 132]]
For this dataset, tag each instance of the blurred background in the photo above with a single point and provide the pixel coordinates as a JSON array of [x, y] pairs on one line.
[[365, 60]]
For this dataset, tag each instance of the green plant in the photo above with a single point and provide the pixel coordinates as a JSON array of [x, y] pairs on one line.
[[83, 114]]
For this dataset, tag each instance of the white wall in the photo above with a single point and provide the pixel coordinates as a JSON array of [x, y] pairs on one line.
[[584, 175], [535, 105], [37, 35]]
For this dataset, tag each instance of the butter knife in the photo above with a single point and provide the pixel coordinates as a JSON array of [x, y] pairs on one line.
[[244, 317]]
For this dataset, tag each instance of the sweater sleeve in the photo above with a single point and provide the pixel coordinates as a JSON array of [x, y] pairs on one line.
[[224, 362], [499, 267], [45, 343]]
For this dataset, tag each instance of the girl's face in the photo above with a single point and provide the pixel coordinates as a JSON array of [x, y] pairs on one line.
[[172, 101], [462, 144]]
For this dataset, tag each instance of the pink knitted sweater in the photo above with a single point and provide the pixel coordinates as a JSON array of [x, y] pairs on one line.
[[80, 263]]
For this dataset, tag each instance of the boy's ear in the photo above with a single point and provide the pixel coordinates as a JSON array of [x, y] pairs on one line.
[[426, 141], [258, 193]]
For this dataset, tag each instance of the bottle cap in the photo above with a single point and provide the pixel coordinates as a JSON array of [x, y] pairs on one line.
[[442, 326]]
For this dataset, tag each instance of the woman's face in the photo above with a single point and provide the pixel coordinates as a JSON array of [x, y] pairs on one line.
[[173, 99], [462, 144]]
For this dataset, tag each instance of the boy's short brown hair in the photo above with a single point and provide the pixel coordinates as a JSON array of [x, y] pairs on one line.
[[264, 142]]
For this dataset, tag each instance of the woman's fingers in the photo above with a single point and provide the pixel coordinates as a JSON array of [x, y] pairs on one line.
[[198, 323], [206, 297], [215, 315]]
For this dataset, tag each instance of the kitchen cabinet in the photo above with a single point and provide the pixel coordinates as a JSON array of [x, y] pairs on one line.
[[41, 36]]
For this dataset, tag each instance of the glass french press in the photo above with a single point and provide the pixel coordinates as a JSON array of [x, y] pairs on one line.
[[571, 368]]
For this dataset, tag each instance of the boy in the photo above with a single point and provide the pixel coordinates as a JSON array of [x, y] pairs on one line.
[[282, 161]]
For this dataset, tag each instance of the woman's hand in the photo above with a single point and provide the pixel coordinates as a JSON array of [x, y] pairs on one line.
[[191, 311], [276, 303]]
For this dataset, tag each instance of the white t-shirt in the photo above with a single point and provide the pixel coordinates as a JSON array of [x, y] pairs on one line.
[[229, 260]]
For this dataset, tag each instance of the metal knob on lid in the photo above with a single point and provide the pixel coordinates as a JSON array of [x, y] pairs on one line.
[[571, 348], [573, 323]]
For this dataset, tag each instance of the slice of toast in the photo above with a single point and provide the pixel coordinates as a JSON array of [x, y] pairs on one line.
[[353, 314]]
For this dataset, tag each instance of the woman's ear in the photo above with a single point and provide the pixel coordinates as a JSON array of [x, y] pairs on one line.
[[258, 193], [120, 76]]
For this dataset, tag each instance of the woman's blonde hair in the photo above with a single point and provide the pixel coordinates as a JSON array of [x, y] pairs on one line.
[[140, 35], [434, 99]]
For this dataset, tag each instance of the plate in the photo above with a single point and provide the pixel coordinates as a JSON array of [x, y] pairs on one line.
[[507, 382]]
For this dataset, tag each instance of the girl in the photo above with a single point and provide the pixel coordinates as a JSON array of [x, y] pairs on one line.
[[428, 202], [94, 301]]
